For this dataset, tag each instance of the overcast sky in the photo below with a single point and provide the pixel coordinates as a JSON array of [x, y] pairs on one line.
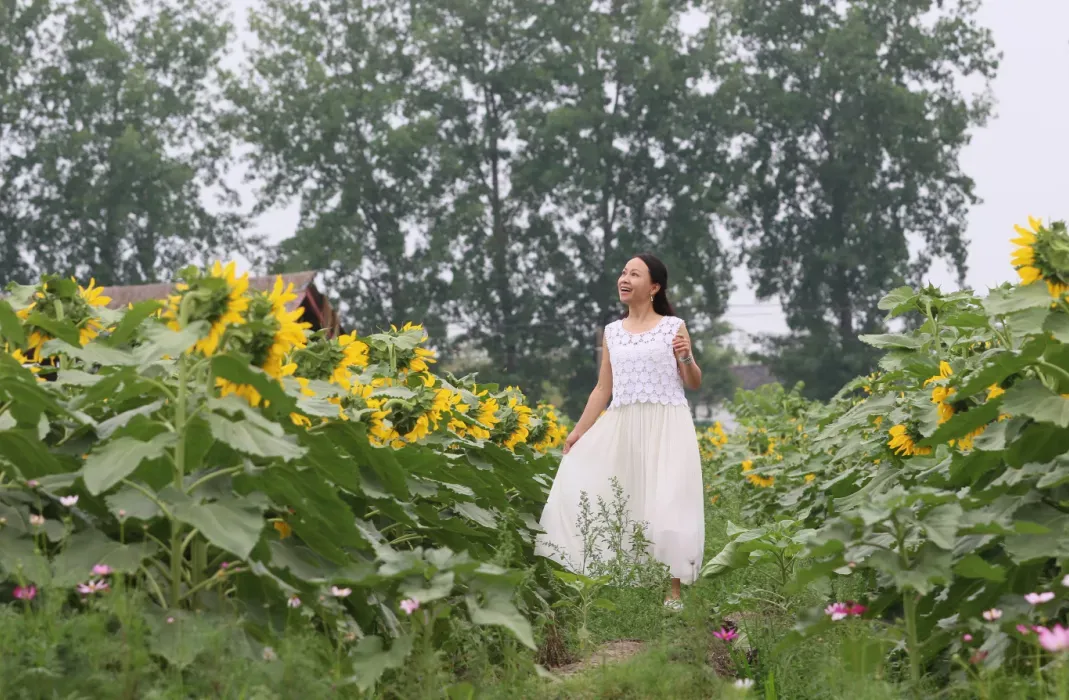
[[1020, 161]]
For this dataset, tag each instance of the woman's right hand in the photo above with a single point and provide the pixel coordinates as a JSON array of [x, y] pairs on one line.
[[573, 437]]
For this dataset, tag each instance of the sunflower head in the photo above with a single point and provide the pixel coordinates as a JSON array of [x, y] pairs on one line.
[[61, 300], [217, 297], [904, 442], [270, 332], [332, 359], [1042, 253]]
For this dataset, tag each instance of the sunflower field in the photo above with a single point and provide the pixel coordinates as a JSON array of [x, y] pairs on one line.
[[939, 485], [211, 452]]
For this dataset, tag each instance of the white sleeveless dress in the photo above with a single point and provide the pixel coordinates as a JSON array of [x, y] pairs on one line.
[[647, 441]]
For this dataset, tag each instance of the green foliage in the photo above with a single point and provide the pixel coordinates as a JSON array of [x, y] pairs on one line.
[[856, 125], [940, 479]]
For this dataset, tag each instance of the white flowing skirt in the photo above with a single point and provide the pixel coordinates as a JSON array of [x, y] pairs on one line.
[[652, 452]]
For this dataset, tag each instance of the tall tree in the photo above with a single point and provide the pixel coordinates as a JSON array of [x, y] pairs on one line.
[[124, 145], [857, 122], [631, 153], [21, 30], [488, 57], [335, 106]]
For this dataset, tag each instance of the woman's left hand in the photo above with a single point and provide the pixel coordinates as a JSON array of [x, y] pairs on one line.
[[681, 346]]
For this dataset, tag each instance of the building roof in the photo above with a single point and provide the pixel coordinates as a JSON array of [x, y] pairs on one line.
[[752, 376], [317, 308], [123, 296]]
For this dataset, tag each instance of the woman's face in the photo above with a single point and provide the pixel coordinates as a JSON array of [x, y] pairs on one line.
[[635, 284]]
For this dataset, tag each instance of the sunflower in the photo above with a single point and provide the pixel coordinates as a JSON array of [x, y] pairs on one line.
[[486, 419], [1043, 254], [747, 465], [63, 300], [290, 333], [810, 478], [941, 394], [353, 354], [520, 416], [219, 298], [761, 481], [994, 391], [904, 444], [966, 442]]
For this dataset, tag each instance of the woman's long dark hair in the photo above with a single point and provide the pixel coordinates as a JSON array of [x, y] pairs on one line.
[[658, 275]]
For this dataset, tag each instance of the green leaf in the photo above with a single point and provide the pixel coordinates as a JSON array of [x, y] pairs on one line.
[[975, 566], [941, 524], [161, 341], [28, 454], [892, 340], [94, 353], [1030, 398], [962, 424], [896, 299], [231, 525], [1058, 326], [474, 512], [116, 460], [501, 611], [131, 320], [239, 371], [10, 325], [245, 437], [370, 661], [64, 330], [86, 549], [1001, 301], [180, 637], [20, 558], [132, 504], [105, 429]]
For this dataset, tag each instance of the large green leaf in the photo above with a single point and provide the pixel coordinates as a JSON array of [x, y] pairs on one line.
[[239, 371], [233, 525], [28, 454], [117, 459], [161, 341], [246, 437], [975, 566], [10, 326], [1006, 301], [893, 340], [64, 330], [499, 610], [86, 549], [131, 320], [962, 424], [1030, 398], [370, 661]]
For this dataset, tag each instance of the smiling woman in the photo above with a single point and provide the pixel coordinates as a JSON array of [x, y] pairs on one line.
[[645, 443]]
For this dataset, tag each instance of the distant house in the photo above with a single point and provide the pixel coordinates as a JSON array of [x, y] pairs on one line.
[[750, 377], [317, 308]]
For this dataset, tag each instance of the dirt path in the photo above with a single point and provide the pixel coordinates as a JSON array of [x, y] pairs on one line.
[[608, 653]]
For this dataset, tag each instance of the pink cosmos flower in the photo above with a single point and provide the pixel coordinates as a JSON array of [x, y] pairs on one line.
[[1056, 639], [33, 483], [102, 570], [94, 586], [68, 501], [294, 602], [37, 520], [1039, 598], [992, 614], [409, 605], [170, 621], [855, 609], [838, 611], [340, 592], [966, 637], [726, 635], [1022, 629], [1065, 581], [225, 565], [25, 592]]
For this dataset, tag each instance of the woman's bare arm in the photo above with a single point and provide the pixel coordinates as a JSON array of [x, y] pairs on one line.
[[599, 399]]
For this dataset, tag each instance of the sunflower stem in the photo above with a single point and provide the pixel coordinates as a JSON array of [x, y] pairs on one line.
[[177, 546]]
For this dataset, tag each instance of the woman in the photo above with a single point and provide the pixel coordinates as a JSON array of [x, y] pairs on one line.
[[646, 439]]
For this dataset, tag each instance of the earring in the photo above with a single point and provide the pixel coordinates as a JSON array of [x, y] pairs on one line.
[[651, 298]]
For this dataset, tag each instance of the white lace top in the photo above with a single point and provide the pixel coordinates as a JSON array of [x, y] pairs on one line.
[[644, 367]]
